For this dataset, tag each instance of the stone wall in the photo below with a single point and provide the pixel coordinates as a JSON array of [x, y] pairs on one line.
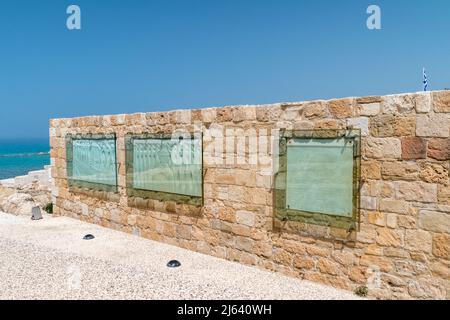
[[402, 249]]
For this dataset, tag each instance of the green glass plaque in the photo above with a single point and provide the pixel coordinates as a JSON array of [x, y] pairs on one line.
[[168, 165], [320, 176], [92, 162], [317, 181]]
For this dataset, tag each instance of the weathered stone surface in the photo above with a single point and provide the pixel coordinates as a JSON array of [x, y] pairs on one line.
[[391, 220], [282, 257], [208, 115], [433, 125], [439, 149], [426, 289], [17, 203], [304, 262], [405, 126], [329, 124], [416, 191], [414, 148], [394, 206], [376, 218], [388, 237], [418, 240], [423, 102], [342, 108], [434, 221], [382, 126], [377, 148], [244, 244], [344, 258], [407, 222], [441, 269], [395, 252], [370, 170], [393, 280], [434, 173], [246, 113], [441, 101], [316, 109], [400, 171], [444, 194], [245, 217], [370, 109], [441, 245], [371, 99], [361, 123], [383, 263], [327, 266], [398, 104]]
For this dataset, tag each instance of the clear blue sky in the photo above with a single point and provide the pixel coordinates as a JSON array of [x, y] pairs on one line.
[[133, 55]]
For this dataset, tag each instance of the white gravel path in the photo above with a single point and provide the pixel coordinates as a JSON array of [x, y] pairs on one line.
[[48, 259]]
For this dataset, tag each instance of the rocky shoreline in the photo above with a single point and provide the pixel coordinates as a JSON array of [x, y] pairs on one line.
[[20, 194]]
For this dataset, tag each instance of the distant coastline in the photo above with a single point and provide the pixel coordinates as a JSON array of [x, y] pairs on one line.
[[20, 156]]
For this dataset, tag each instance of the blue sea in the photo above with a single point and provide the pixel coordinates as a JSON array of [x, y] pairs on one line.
[[19, 156]]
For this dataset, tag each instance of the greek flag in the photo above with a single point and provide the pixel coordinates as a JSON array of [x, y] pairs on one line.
[[425, 80]]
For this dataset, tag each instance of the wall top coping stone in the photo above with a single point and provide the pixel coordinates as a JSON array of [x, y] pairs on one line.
[[362, 100]]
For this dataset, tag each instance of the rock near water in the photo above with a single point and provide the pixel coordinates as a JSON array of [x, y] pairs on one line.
[[30, 191]]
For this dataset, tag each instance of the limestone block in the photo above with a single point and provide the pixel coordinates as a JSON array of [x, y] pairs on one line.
[[439, 149], [370, 170], [397, 170], [423, 102], [391, 220], [434, 221], [292, 113], [370, 109], [316, 109], [406, 222], [184, 116], [433, 125], [360, 123], [382, 125], [405, 126], [418, 240], [441, 246], [395, 206], [434, 173], [414, 148], [444, 194], [416, 191], [328, 267], [245, 217], [370, 99], [426, 289], [376, 262], [369, 203], [342, 108], [304, 262], [376, 218], [244, 244], [378, 148], [389, 237], [398, 104], [441, 101]]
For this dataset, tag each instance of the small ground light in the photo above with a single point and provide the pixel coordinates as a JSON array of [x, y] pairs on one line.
[[88, 237], [173, 264]]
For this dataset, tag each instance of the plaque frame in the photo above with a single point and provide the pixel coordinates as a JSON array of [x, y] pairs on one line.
[[162, 196], [283, 214], [75, 183]]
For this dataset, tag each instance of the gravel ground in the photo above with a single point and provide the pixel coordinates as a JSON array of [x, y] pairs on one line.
[[48, 259]]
